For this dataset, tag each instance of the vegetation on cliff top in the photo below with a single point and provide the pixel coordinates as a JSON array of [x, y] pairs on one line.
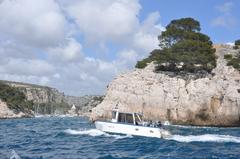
[[183, 49], [234, 60], [237, 44], [15, 99]]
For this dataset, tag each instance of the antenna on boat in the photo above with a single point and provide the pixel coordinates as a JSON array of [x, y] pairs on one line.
[[143, 106]]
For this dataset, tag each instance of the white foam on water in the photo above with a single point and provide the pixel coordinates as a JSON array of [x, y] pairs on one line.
[[64, 115], [14, 155], [41, 116], [95, 132], [179, 138], [167, 123], [54, 115], [38, 116], [91, 132], [205, 138], [192, 127]]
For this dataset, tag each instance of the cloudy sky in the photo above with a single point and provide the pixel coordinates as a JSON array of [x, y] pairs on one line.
[[79, 46]]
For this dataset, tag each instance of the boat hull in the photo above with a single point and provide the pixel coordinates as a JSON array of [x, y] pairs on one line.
[[131, 129]]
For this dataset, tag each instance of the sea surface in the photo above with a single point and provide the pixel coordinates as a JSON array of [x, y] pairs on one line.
[[77, 138]]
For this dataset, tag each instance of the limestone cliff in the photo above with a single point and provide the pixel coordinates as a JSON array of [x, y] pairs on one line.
[[46, 100], [213, 100], [5, 112], [37, 93], [49, 100], [84, 104]]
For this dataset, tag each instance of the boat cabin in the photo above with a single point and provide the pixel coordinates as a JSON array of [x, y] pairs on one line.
[[129, 118]]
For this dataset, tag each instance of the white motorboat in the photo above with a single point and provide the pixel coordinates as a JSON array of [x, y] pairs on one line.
[[131, 124]]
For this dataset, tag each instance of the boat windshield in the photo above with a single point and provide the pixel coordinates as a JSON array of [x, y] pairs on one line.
[[125, 118], [129, 118]]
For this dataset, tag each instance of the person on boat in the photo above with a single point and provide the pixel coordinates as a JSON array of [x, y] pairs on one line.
[[159, 124], [150, 123]]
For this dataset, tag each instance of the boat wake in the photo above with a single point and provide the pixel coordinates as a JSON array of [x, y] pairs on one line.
[[41, 116], [167, 123], [53, 115], [192, 127], [95, 132], [205, 138], [179, 138]]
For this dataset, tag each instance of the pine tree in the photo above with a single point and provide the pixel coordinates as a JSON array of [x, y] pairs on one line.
[[182, 48]]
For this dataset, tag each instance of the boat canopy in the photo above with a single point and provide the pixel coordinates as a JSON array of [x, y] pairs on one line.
[[129, 118]]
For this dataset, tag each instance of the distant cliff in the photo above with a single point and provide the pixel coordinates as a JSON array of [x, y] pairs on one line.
[[47, 100], [84, 104], [211, 100], [37, 93], [13, 103]]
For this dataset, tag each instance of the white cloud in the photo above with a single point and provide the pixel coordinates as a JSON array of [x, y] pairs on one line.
[[128, 55], [230, 43], [44, 42], [126, 60], [69, 51], [44, 80], [18, 66], [115, 21], [87, 77], [146, 38], [12, 49], [39, 23], [56, 75], [225, 19], [105, 20], [226, 7], [26, 79]]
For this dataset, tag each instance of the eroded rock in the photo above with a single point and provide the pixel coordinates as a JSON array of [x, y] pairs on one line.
[[213, 100]]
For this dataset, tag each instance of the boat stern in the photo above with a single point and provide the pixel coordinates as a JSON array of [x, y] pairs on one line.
[[165, 133]]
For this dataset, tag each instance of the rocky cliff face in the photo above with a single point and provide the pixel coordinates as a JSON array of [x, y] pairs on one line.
[[46, 100], [5, 112], [84, 104], [39, 94], [213, 100], [49, 100]]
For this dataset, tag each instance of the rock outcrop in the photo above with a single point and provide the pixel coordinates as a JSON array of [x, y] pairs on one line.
[[46, 100], [49, 100], [37, 93], [213, 100], [6, 113]]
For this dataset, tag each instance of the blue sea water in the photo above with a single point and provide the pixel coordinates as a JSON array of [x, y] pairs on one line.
[[76, 138]]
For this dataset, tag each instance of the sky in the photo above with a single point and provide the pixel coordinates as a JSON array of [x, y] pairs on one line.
[[80, 46]]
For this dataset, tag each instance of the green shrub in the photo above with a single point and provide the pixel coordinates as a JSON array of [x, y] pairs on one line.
[[235, 62], [142, 64], [228, 56], [14, 98], [235, 47], [237, 42]]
